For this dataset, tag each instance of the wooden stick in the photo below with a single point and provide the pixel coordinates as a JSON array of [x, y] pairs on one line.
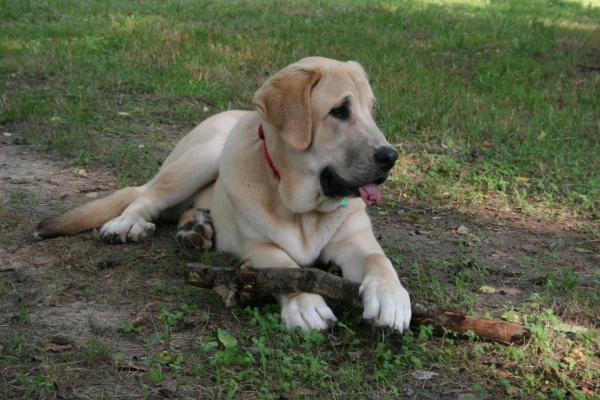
[[231, 282]]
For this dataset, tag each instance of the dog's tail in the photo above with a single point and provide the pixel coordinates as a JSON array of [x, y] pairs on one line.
[[89, 216]]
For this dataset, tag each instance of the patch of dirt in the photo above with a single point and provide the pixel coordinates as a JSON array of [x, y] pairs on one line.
[[78, 289]]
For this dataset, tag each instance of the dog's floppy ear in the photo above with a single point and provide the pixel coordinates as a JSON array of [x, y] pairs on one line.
[[284, 103]]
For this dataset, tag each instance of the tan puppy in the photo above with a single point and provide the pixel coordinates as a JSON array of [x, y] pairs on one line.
[[296, 198]]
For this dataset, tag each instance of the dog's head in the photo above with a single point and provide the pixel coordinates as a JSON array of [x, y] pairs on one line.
[[323, 136]]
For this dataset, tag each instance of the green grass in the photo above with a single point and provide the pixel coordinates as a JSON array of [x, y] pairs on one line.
[[450, 76], [493, 103]]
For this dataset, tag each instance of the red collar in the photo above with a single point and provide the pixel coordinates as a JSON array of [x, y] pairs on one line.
[[261, 135]]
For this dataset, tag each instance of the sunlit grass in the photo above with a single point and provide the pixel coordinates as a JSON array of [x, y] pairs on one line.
[[449, 75]]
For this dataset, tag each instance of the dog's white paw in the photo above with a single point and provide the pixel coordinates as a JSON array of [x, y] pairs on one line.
[[306, 310], [126, 229], [387, 303]]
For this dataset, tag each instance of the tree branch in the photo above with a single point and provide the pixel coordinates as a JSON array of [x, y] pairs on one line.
[[231, 283]]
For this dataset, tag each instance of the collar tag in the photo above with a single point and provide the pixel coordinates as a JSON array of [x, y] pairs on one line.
[[344, 202]]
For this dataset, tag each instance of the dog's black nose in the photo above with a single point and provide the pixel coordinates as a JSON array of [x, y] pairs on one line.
[[386, 157]]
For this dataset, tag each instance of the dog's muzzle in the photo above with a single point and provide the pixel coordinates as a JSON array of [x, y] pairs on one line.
[[365, 182]]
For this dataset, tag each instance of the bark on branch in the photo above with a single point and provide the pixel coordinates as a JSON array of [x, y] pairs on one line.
[[232, 282]]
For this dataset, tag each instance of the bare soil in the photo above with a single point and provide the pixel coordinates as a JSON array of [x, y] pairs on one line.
[[68, 291]]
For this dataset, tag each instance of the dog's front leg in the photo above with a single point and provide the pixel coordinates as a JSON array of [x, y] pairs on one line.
[[356, 251], [306, 310]]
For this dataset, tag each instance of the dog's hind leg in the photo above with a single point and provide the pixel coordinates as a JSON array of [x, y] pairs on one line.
[[172, 187], [195, 229], [190, 168]]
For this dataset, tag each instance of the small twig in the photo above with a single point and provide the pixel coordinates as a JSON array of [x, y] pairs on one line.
[[498, 301]]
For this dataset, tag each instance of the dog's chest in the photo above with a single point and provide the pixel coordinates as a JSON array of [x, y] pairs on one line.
[[302, 236], [305, 238]]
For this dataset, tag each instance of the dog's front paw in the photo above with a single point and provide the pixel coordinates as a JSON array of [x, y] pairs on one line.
[[197, 234], [387, 303], [306, 310], [126, 229]]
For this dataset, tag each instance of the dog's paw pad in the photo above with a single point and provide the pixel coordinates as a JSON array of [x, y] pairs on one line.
[[193, 240], [197, 234]]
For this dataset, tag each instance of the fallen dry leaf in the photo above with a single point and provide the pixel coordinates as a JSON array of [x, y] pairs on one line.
[[503, 374], [462, 230], [43, 260], [56, 348], [587, 392], [424, 375], [487, 144], [338, 359], [567, 360], [510, 316], [142, 322], [82, 342], [70, 290], [487, 289], [509, 291], [542, 135], [577, 354], [132, 368]]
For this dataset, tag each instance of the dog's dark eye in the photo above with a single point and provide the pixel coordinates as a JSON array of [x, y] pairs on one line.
[[341, 112]]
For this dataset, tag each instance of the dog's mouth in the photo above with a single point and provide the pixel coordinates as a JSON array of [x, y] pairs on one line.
[[370, 191]]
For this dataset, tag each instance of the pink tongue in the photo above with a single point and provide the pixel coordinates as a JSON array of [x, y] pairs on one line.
[[371, 194]]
